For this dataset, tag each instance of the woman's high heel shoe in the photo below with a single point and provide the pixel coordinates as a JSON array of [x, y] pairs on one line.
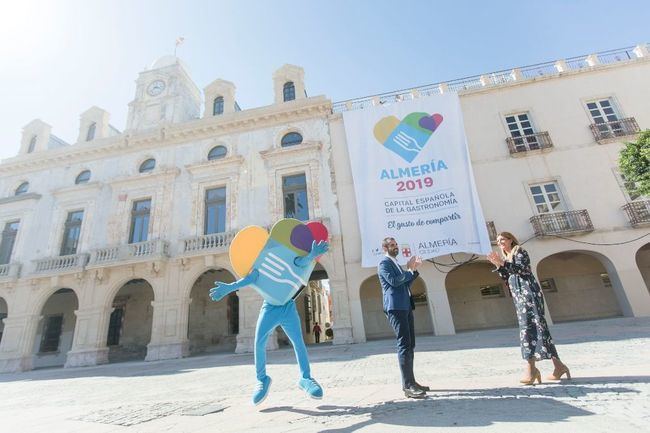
[[536, 375], [564, 371]]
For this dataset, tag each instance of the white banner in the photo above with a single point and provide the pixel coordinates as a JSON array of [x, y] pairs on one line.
[[413, 179]]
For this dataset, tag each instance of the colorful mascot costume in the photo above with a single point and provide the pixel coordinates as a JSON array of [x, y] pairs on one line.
[[277, 266]]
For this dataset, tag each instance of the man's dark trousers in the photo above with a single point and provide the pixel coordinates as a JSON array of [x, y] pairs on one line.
[[402, 323]]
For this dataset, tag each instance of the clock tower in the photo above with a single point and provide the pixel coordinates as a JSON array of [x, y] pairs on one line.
[[164, 93]]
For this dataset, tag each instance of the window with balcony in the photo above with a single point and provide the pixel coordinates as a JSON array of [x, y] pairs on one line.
[[90, 134], [71, 232], [215, 210], [523, 136], [289, 91], [140, 221], [547, 197], [51, 333], [606, 121], [294, 191], [217, 106], [291, 139], [8, 240]]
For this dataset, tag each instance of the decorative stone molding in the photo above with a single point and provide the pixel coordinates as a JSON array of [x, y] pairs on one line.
[[206, 128], [285, 161], [222, 88]]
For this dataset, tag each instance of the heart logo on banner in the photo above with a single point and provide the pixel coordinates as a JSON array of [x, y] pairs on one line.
[[249, 242], [408, 137]]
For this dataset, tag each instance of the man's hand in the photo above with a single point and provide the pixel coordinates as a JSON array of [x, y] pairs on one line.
[[414, 263], [222, 289]]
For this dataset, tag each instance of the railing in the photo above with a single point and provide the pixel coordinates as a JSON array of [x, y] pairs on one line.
[[211, 242], [60, 263], [614, 128], [638, 212], [545, 69], [9, 270], [130, 252], [574, 221], [524, 143], [492, 232]]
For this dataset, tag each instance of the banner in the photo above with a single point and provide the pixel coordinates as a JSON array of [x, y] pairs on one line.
[[413, 179]]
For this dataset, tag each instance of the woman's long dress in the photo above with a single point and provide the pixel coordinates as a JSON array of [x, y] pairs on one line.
[[536, 341]]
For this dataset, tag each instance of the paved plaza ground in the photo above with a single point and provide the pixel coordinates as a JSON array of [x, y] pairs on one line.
[[474, 379]]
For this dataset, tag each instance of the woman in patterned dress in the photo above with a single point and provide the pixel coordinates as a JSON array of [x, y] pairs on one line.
[[536, 342]]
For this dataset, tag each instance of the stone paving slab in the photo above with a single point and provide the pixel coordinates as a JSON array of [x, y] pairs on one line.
[[474, 379]]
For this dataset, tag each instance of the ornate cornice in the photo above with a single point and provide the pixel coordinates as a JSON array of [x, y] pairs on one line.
[[169, 134], [147, 179], [222, 167]]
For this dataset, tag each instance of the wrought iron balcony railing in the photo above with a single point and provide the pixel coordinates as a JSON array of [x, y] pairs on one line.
[[557, 223], [70, 262], [638, 212], [614, 129], [525, 143], [139, 251]]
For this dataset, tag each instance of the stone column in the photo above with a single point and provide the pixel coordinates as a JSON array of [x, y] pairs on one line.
[[18, 343], [89, 341], [169, 330], [341, 323], [628, 284]]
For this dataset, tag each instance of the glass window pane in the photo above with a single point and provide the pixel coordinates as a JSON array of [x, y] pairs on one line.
[[536, 189], [549, 187], [510, 119], [591, 105]]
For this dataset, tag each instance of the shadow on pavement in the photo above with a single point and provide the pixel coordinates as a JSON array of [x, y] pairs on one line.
[[466, 407]]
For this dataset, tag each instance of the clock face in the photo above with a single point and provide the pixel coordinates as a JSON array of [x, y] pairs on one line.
[[156, 88]]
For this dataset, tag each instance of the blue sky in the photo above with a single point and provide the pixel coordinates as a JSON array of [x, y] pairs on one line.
[[59, 58]]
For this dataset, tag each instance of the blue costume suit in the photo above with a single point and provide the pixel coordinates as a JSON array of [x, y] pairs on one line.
[[277, 274]]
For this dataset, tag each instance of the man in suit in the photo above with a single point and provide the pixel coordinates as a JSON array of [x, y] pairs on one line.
[[398, 307]]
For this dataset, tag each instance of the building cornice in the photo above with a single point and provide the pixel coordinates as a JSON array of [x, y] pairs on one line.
[[168, 134], [225, 167], [77, 192], [30, 196], [147, 179]]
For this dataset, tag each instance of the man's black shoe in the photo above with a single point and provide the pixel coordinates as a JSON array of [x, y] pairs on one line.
[[422, 387], [413, 392]]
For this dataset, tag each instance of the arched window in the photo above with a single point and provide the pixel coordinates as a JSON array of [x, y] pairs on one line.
[[289, 91], [217, 106], [32, 144], [148, 165], [22, 188], [82, 177], [217, 152], [291, 139], [90, 135]]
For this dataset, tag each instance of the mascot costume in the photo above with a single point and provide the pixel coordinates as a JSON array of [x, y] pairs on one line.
[[277, 265]]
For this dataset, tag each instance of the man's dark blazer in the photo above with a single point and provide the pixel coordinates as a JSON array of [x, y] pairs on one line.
[[395, 285]]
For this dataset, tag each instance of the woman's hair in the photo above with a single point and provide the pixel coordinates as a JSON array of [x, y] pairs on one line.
[[515, 244]]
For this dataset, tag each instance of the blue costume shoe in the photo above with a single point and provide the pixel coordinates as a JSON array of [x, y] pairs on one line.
[[311, 387], [261, 391]]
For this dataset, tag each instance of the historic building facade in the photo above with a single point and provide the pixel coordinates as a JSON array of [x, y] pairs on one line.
[[110, 244], [544, 143]]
